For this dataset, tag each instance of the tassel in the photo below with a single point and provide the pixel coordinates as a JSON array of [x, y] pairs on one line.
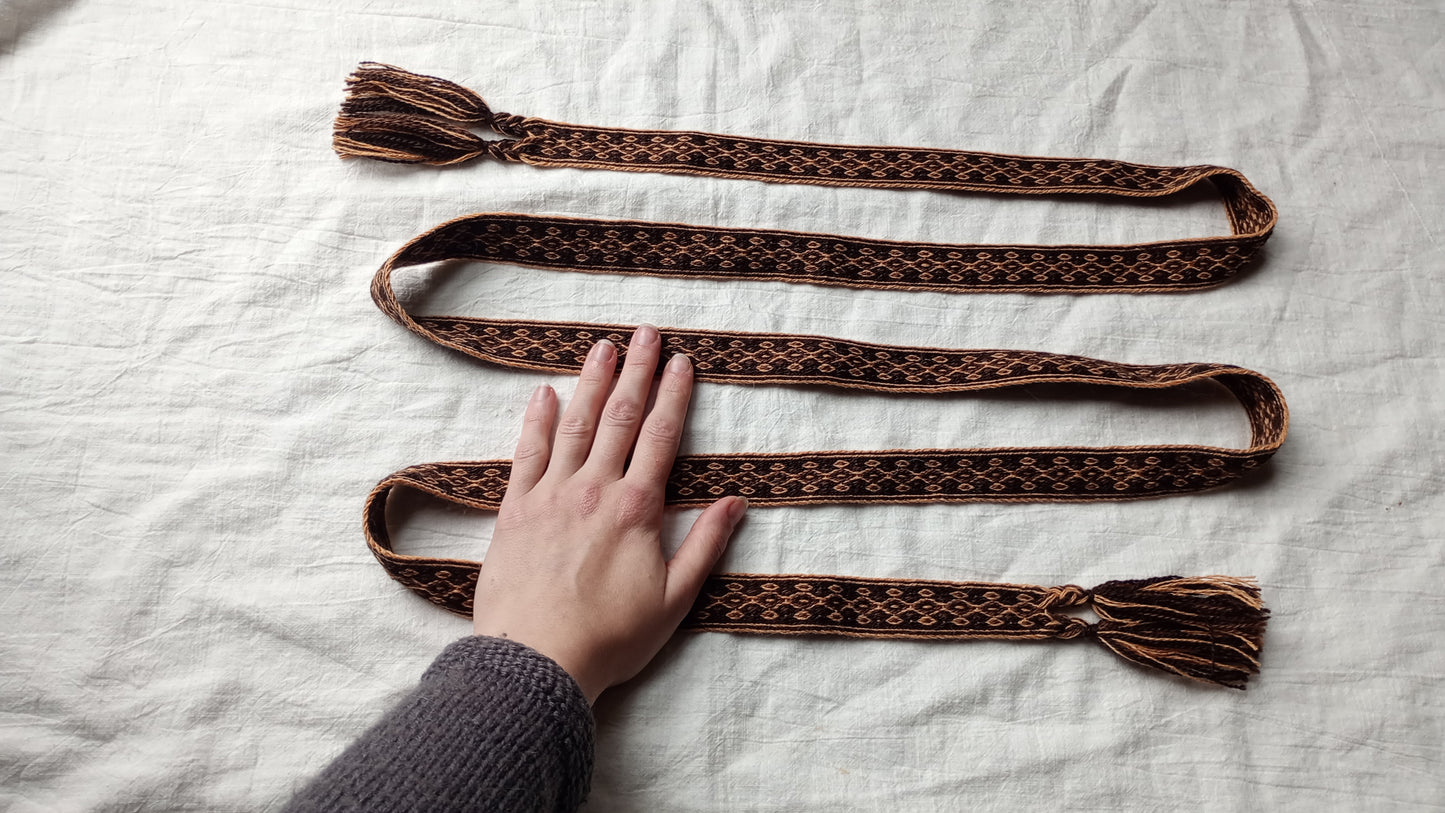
[[375, 87], [406, 118], [1209, 628], [405, 139]]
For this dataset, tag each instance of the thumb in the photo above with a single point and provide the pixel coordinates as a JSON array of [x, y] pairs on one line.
[[700, 550]]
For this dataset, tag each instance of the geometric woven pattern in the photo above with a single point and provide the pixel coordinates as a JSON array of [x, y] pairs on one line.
[[391, 115], [876, 607], [705, 252], [1188, 263], [394, 115]]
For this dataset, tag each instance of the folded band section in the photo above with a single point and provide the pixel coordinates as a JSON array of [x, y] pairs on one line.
[[394, 115], [1209, 629]]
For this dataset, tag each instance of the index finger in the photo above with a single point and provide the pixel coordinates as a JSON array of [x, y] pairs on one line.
[[662, 430]]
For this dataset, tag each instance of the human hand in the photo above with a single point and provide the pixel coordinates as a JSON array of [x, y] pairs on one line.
[[575, 569]]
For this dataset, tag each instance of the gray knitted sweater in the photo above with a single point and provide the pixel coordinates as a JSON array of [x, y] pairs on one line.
[[493, 726]]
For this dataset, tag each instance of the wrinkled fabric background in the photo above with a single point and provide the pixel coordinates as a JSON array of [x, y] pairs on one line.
[[196, 393]]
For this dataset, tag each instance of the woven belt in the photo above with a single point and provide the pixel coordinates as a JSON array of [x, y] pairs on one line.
[[1208, 629]]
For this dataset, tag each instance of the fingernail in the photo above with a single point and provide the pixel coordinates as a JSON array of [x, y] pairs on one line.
[[679, 363], [736, 510], [646, 334], [602, 351], [539, 394]]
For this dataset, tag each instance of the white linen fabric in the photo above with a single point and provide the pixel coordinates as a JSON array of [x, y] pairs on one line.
[[197, 393]]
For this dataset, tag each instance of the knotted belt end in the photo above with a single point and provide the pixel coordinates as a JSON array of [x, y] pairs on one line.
[[394, 115], [1208, 628], [1205, 628]]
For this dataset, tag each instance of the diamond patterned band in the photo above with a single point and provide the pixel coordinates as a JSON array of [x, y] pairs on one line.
[[1208, 629]]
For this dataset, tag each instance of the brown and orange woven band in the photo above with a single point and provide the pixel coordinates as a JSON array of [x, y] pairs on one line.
[[393, 115], [1208, 628]]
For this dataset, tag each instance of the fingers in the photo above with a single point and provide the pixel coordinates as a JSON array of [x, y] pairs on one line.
[[698, 554], [534, 448], [657, 441], [617, 427], [579, 423]]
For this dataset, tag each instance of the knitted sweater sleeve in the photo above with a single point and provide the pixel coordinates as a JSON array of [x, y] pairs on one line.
[[493, 725]]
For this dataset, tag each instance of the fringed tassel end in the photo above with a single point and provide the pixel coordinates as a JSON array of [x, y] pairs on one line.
[[394, 115], [375, 87], [1209, 628], [403, 139]]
